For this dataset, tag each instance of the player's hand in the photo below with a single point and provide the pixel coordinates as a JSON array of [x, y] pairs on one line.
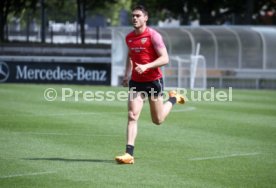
[[125, 82], [141, 68]]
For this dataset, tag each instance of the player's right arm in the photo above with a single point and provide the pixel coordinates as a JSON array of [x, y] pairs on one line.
[[128, 69]]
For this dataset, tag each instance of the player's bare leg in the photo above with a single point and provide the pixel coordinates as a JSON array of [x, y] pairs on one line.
[[159, 110], [135, 105]]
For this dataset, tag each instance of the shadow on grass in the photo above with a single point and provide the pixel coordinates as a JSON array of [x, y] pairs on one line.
[[70, 160]]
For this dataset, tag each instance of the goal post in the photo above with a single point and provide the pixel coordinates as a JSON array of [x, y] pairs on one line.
[[198, 78], [186, 71]]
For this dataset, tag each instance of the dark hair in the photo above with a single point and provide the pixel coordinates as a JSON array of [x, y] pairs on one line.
[[141, 8]]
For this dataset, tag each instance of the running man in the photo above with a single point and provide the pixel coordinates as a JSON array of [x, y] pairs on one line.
[[147, 53]]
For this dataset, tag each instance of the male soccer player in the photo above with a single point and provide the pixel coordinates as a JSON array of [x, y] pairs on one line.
[[147, 53]]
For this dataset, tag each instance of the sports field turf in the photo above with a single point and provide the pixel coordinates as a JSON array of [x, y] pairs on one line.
[[73, 143]]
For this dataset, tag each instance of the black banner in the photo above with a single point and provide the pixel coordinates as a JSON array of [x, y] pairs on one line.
[[49, 72]]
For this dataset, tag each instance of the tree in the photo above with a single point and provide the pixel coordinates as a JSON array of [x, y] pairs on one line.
[[54, 7], [85, 5], [61, 11], [14, 7], [114, 15], [211, 11]]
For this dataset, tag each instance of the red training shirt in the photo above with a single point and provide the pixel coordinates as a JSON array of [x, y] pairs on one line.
[[142, 50]]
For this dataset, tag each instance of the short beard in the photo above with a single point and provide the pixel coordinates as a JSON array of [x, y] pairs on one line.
[[137, 27]]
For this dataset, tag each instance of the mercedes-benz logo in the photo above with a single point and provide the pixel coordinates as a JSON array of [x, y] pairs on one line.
[[4, 71]]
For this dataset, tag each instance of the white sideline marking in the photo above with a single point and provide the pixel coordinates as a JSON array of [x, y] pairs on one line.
[[222, 156], [61, 114], [55, 114], [65, 114], [66, 134], [28, 174], [184, 109]]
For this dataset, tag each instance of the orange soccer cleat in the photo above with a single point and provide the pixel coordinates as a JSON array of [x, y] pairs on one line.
[[179, 98], [125, 159]]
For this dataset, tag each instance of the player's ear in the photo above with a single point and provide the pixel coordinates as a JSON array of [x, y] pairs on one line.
[[146, 17]]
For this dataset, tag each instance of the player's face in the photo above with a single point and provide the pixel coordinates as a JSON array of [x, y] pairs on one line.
[[139, 19]]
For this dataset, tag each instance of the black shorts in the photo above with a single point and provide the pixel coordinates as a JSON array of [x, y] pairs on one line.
[[154, 88]]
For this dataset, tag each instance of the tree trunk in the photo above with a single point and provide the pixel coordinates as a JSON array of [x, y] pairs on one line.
[[4, 9], [42, 28], [249, 12], [2, 24], [205, 10], [81, 19]]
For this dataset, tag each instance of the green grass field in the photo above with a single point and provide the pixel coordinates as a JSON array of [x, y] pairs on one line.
[[73, 144]]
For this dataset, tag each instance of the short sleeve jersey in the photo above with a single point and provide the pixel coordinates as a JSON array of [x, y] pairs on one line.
[[142, 50]]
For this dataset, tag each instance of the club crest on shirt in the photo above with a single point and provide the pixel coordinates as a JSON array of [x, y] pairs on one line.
[[144, 40]]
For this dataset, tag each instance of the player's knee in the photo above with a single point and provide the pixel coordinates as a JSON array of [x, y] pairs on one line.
[[132, 116], [157, 121]]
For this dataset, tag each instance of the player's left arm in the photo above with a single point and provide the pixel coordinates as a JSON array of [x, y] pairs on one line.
[[161, 50]]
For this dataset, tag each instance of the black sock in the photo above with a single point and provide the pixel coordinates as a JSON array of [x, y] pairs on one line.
[[129, 149], [172, 100]]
